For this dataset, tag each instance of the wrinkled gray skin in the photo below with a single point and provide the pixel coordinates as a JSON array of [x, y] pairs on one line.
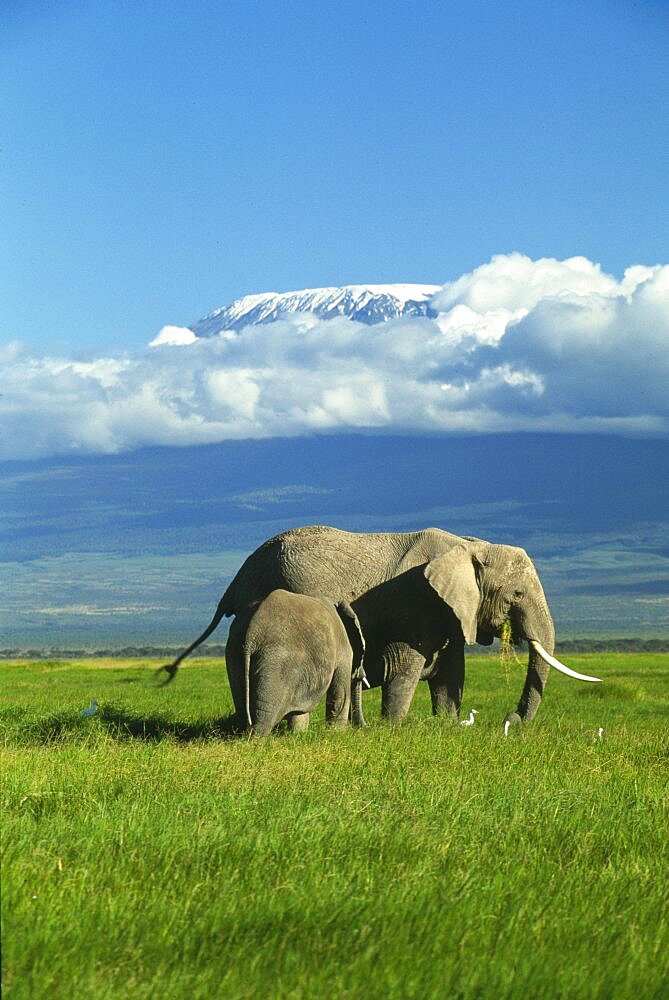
[[461, 590], [284, 654], [416, 625]]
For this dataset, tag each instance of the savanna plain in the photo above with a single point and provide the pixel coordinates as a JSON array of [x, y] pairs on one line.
[[149, 851]]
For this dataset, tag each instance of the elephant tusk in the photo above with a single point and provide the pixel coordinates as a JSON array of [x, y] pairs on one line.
[[559, 666]]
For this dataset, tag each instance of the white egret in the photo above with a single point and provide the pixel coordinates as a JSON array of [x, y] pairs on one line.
[[469, 721]]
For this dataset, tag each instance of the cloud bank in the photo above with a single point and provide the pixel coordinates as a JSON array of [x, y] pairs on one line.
[[517, 344]]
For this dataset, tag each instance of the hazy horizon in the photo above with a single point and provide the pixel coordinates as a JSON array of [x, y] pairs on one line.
[[136, 549]]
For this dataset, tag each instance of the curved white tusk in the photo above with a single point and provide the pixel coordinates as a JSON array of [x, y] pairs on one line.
[[559, 666]]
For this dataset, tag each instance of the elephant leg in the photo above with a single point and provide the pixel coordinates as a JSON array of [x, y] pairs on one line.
[[398, 691], [298, 722], [448, 680], [236, 680], [338, 697]]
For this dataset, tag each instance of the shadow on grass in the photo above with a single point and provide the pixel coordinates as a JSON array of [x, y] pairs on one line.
[[121, 725], [154, 728]]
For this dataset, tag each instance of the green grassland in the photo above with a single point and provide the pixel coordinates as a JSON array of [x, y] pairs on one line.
[[149, 852]]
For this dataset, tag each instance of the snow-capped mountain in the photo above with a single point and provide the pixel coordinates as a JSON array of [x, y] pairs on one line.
[[364, 303]]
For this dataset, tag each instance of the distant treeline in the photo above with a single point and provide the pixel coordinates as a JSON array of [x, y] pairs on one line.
[[613, 646], [217, 649], [118, 652]]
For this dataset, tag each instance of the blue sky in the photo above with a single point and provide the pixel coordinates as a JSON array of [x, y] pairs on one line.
[[159, 159]]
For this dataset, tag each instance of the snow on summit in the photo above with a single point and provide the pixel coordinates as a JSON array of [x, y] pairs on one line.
[[515, 345], [364, 303]]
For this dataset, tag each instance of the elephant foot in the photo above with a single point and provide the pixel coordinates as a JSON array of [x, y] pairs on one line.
[[298, 722], [396, 696], [512, 719], [394, 715], [337, 724], [446, 710], [241, 725]]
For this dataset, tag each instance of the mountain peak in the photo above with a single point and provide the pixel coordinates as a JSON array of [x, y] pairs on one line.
[[364, 303]]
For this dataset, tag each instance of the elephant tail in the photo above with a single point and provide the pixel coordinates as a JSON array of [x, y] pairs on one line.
[[221, 612], [227, 606], [247, 685], [358, 676]]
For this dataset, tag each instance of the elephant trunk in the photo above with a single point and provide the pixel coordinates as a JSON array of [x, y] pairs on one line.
[[357, 716], [541, 641], [535, 625], [535, 681]]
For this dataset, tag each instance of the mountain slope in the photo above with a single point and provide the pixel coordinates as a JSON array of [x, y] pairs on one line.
[[158, 533], [364, 303]]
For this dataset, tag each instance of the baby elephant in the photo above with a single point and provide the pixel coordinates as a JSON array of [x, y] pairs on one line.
[[285, 653]]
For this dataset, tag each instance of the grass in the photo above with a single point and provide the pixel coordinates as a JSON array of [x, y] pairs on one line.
[[149, 852]]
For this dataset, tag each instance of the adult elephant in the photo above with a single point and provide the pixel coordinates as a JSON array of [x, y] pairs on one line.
[[417, 623], [477, 586]]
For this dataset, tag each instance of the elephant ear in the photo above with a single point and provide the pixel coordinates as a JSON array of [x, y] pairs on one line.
[[353, 631], [453, 577]]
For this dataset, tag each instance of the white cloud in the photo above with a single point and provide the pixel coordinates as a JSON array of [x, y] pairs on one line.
[[10, 351], [517, 282], [173, 335], [518, 344], [235, 392]]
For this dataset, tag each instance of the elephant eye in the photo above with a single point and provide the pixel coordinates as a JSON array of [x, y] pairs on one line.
[[518, 595]]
